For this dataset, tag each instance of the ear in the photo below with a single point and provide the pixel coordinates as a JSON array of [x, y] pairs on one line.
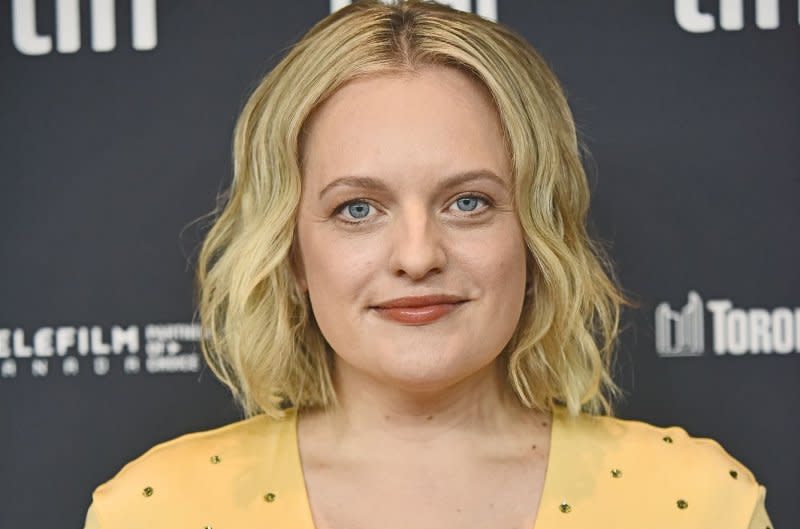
[[297, 266]]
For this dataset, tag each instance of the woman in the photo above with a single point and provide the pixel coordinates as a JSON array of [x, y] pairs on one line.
[[401, 294]]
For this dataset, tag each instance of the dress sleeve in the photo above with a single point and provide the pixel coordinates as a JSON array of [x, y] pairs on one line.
[[91, 519], [760, 519]]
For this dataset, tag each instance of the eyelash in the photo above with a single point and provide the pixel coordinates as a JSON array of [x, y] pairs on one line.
[[340, 208]]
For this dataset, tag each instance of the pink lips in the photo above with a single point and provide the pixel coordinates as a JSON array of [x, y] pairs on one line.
[[419, 309]]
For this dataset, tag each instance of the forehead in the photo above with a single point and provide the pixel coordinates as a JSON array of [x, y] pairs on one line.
[[433, 121]]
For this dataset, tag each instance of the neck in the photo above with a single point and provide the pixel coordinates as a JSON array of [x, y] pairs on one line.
[[480, 406]]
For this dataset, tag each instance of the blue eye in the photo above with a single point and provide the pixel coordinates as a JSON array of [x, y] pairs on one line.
[[468, 203], [358, 210]]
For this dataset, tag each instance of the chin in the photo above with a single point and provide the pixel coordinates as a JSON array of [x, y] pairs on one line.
[[427, 374]]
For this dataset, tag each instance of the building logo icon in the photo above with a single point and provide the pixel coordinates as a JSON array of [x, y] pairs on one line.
[[681, 333], [67, 35], [732, 15]]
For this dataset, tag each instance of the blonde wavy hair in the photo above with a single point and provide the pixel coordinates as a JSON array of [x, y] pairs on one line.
[[261, 339]]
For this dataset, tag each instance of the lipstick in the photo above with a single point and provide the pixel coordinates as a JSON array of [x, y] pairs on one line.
[[420, 309]]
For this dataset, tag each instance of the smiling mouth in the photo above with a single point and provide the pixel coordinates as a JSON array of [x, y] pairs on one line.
[[418, 315]]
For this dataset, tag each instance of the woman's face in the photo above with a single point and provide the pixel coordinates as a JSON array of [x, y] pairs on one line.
[[407, 192]]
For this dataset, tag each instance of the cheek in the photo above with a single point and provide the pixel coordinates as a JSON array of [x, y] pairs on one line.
[[338, 266], [496, 260]]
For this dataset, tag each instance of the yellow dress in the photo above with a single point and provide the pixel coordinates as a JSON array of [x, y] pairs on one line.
[[602, 473]]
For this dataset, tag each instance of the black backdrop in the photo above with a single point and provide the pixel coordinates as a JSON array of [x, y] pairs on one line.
[[116, 124]]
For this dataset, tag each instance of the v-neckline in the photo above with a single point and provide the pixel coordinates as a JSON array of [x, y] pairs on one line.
[[296, 464]]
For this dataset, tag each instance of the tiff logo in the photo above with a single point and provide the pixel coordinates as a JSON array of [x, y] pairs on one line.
[[731, 15], [681, 333], [735, 331], [485, 8], [68, 26]]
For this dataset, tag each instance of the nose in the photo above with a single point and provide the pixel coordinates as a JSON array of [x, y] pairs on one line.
[[417, 245]]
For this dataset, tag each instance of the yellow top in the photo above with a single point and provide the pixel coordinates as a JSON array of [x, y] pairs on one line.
[[602, 473]]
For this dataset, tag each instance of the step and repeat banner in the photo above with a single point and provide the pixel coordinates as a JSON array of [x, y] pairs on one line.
[[115, 136]]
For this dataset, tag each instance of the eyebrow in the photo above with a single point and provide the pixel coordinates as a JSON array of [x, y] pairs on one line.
[[368, 182]]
